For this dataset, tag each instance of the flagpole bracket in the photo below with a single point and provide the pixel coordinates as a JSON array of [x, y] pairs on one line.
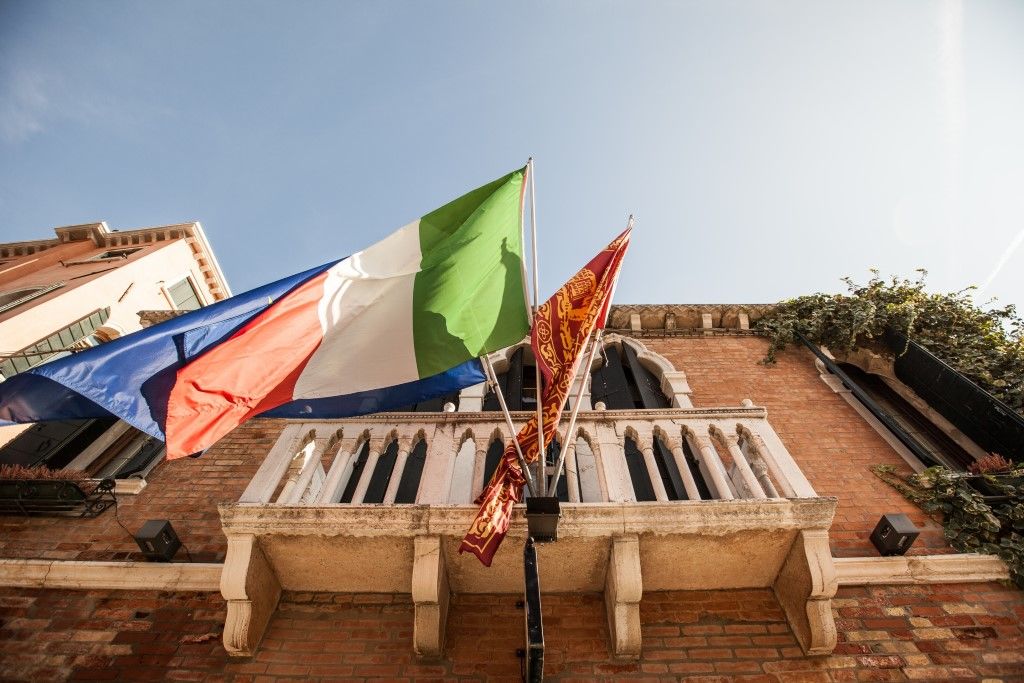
[[542, 515]]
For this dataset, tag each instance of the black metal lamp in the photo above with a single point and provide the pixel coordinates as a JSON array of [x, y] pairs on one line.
[[542, 516], [894, 534], [157, 540]]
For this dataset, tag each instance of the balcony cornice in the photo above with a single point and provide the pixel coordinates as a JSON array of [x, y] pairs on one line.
[[580, 520]]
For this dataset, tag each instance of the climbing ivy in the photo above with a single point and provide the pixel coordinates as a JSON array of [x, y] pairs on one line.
[[980, 513], [985, 344]]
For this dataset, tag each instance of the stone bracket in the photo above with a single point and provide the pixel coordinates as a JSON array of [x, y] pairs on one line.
[[622, 592], [430, 596], [804, 589], [252, 591]]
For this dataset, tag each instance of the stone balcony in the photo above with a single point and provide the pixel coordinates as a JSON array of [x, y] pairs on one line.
[[723, 506]]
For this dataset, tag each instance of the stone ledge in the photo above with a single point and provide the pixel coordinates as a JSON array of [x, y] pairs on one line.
[[584, 520], [958, 568], [179, 576]]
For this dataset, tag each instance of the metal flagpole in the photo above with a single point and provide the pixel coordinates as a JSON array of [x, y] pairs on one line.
[[528, 177], [492, 381], [542, 458], [569, 441]]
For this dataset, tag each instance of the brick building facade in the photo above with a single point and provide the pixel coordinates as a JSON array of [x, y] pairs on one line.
[[769, 576]]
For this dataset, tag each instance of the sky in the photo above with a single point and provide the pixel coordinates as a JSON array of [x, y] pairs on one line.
[[767, 149]]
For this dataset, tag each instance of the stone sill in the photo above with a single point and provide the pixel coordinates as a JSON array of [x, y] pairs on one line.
[[714, 517]]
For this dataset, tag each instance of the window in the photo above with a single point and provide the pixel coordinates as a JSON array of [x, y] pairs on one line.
[[433, 405], [357, 473], [115, 254], [184, 296], [638, 475], [622, 383], [78, 334], [943, 449], [103, 448], [382, 474], [668, 471], [17, 297], [518, 385], [409, 484], [493, 457]]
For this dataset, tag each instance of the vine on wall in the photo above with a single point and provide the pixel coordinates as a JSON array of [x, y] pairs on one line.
[[985, 345], [980, 513]]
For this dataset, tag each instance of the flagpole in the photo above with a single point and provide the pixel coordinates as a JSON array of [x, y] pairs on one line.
[[542, 458], [527, 178], [492, 381], [569, 441]]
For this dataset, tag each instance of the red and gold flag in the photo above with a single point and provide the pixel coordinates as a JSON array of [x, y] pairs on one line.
[[561, 328]]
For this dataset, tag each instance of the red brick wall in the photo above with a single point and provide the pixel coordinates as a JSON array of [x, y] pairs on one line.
[[184, 491], [962, 632], [829, 440]]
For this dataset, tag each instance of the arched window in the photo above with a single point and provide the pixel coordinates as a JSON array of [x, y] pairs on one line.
[[382, 474], [357, 472], [409, 484], [518, 384], [622, 383]]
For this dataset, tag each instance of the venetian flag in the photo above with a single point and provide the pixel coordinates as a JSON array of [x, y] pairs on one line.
[[399, 322], [561, 328]]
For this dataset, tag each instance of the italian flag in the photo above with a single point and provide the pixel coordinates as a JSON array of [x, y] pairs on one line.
[[401, 321]]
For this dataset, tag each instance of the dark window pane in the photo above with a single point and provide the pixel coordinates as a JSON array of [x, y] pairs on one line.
[[357, 472], [669, 472], [698, 478], [491, 460], [642, 488], [609, 384], [410, 482], [382, 474]]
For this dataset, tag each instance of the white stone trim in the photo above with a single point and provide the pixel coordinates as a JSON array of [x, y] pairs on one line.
[[170, 576], [922, 569]]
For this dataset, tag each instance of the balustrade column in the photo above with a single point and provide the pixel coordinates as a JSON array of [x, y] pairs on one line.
[[652, 471], [479, 463], [692, 493], [740, 460], [332, 489], [572, 481], [757, 444], [396, 475], [714, 467], [273, 467], [305, 476], [367, 474]]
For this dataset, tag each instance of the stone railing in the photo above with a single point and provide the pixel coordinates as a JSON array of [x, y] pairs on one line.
[[721, 454], [657, 500]]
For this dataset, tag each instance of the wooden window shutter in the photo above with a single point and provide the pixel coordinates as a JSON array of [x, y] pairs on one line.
[[647, 387], [609, 383]]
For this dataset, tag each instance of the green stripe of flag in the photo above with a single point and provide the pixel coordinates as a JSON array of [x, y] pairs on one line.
[[468, 297]]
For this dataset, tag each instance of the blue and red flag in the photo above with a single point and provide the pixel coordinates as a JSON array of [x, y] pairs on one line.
[[399, 322]]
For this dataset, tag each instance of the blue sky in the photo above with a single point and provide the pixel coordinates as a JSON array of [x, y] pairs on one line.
[[766, 148]]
